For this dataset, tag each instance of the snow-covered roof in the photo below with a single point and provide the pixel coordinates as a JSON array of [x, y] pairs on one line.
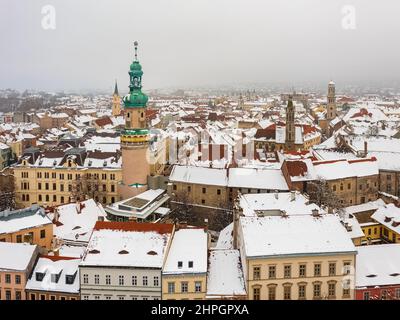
[[12, 221], [188, 252], [76, 220], [292, 203], [225, 275], [128, 244], [60, 266], [199, 175], [389, 216], [378, 265], [339, 169], [16, 256], [270, 179], [225, 238], [295, 235]]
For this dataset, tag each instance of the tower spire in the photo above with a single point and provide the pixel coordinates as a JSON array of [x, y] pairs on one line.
[[136, 45], [116, 88]]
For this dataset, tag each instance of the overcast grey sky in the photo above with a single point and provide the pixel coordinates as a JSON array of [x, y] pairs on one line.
[[197, 42]]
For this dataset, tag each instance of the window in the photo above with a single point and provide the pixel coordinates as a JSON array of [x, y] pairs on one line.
[[42, 297], [108, 279], [42, 234], [145, 281], [346, 267], [346, 289], [8, 278], [62, 199], [61, 187], [156, 281], [256, 293], [271, 292], [17, 279], [397, 293], [171, 287], [39, 186], [383, 294], [190, 264], [184, 287], [52, 297], [18, 295], [317, 290], [218, 191], [302, 270], [332, 268], [96, 279], [8, 295], [96, 297], [85, 297], [121, 280], [40, 197], [174, 186], [108, 297], [366, 295], [46, 186], [85, 278], [349, 186], [197, 286], [121, 298], [134, 280], [54, 198], [331, 289], [19, 238], [334, 187], [256, 273], [287, 290], [317, 269], [204, 190], [287, 271], [302, 291], [272, 272], [69, 279], [54, 186], [203, 201]]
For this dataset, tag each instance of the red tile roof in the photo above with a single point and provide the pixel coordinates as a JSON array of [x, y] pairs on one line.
[[134, 226]]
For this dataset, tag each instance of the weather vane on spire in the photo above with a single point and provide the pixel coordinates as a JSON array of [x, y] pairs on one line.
[[136, 45]]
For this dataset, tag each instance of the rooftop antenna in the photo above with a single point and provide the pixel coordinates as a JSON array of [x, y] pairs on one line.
[[136, 45]]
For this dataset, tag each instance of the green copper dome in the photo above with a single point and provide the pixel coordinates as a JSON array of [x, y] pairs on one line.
[[136, 98]]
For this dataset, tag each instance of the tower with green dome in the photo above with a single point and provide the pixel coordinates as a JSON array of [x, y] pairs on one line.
[[135, 135]]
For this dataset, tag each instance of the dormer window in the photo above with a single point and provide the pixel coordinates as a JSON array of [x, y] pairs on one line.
[[180, 264], [69, 279], [55, 277], [69, 163], [39, 276], [190, 264]]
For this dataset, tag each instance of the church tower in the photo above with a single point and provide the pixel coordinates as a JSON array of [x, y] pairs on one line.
[[135, 136], [116, 105], [331, 106], [290, 126]]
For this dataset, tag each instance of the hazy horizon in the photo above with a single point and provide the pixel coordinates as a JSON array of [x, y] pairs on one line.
[[188, 43]]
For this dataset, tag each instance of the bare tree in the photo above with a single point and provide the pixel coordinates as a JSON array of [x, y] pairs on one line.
[[88, 186], [321, 194], [7, 192]]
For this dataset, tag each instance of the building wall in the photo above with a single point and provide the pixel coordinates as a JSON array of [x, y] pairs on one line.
[[378, 293], [90, 290], [45, 242], [200, 194], [50, 295], [25, 197], [294, 280], [191, 280], [13, 288]]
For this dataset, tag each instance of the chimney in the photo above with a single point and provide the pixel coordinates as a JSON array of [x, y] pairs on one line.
[[292, 195], [236, 217], [284, 214], [315, 213], [365, 148], [56, 215], [205, 225], [276, 195]]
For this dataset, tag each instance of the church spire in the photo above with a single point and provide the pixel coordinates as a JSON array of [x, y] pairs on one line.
[[116, 88]]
